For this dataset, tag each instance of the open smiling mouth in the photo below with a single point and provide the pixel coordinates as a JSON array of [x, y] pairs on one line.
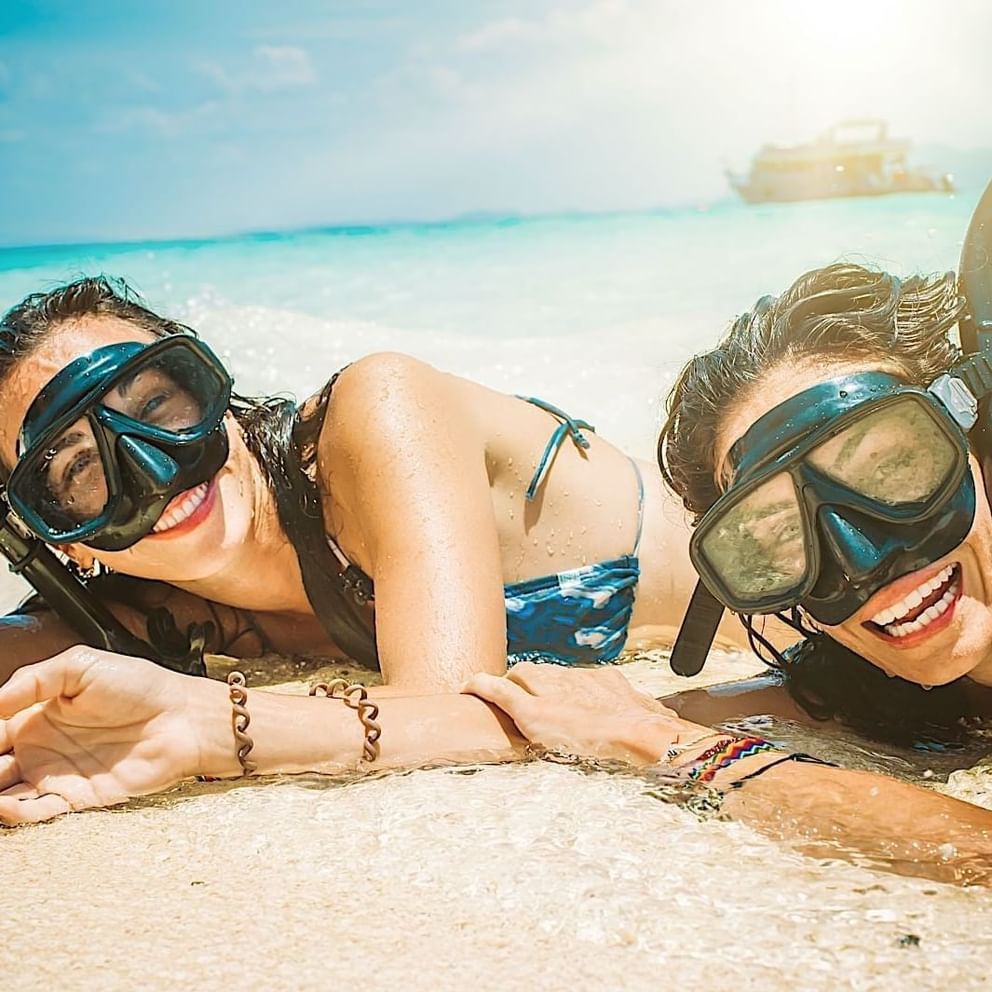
[[929, 607], [186, 510]]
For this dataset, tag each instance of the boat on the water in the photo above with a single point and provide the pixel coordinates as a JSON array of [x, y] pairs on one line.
[[853, 158]]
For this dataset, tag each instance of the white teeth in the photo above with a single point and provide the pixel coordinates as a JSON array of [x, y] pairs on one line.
[[913, 599], [927, 617], [188, 505]]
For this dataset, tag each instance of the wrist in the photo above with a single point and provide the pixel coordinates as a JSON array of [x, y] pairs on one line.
[[648, 741], [211, 730]]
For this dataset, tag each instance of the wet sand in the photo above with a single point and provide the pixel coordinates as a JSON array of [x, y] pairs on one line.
[[525, 876]]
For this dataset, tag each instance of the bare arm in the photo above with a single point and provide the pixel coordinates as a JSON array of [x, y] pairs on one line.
[[39, 633], [404, 464], [88, 728], [30, 637], [829, 810]]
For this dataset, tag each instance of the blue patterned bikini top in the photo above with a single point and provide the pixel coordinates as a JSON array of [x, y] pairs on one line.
[[572, 617]]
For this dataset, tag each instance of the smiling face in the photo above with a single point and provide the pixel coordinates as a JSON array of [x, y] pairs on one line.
[[200, 528], [930, 626]]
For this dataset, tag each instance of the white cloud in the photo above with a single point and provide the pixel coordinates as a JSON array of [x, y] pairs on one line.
[[283, 67], [163, 123], [269, 69], [594, 22]]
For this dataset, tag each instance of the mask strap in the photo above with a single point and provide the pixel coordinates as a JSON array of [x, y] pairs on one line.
[[697, 632]]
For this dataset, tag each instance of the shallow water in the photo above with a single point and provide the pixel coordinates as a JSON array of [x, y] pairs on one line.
[[516, 876]]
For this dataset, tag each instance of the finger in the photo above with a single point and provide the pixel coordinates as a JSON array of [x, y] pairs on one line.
[[58, 676], [15, 811], [529, 675], [501, 692], [23, 790], [10, 772]]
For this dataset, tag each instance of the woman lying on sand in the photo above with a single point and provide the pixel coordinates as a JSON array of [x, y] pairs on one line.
[[847, 493], [411, 520]]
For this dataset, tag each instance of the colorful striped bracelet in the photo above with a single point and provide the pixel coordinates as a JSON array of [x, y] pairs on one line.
[[724, 754]]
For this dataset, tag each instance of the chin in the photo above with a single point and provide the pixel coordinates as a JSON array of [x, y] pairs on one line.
[[952, 654]]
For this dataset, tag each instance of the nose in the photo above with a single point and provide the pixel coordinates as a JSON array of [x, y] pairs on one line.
[[147, 465], [859, 545]]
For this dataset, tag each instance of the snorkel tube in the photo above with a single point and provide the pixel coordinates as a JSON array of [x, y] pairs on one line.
[[77, 605], [975, 325]]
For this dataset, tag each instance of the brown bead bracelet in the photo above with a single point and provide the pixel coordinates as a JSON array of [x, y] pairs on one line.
[[356, 696]]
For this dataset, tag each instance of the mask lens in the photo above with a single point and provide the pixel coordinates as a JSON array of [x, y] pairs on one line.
[[896, 455], [174, 392], [758, 547], [66, 483]]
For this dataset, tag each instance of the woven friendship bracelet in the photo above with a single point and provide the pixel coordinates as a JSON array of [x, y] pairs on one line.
[[240, 720], [701, 759], [356, 696], [736, 750]]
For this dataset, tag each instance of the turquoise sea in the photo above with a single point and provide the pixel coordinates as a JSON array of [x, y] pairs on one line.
[[593, 312]]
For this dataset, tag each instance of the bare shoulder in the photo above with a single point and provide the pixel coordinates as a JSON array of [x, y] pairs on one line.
[[380, 394]]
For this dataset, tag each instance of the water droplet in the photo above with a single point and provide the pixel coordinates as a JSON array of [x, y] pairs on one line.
[[926, 688], [550, 550], [509, 461]]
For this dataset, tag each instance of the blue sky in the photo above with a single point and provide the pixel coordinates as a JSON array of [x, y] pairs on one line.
[[147, 118]]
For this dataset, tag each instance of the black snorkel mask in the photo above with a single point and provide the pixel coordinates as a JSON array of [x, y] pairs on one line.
[[115, 436], [849, 485]]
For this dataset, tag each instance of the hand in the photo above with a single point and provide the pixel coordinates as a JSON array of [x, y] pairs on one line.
[[583, 710], [89, 728]]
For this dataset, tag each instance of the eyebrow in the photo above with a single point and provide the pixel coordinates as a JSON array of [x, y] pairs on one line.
[[124, 385]]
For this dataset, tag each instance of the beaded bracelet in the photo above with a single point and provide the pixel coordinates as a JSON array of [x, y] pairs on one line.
[[356, 696]]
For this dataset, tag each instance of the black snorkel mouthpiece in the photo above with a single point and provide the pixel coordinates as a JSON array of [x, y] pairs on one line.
[[697, 632]]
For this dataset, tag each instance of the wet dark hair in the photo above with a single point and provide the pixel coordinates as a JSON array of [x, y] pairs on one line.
[[843, 311], [267, 423]]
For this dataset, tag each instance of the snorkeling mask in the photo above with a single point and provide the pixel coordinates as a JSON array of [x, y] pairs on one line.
[[115, 436], [849, 485]]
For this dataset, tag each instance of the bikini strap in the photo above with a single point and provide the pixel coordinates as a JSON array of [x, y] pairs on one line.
[[640, 506], [567, 427]]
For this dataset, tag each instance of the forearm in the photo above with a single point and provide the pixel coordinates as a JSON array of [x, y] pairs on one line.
[[25, 639], [836, 811], [312, 733]]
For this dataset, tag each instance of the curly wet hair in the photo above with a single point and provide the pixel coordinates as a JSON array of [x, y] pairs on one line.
[[841, 311]]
